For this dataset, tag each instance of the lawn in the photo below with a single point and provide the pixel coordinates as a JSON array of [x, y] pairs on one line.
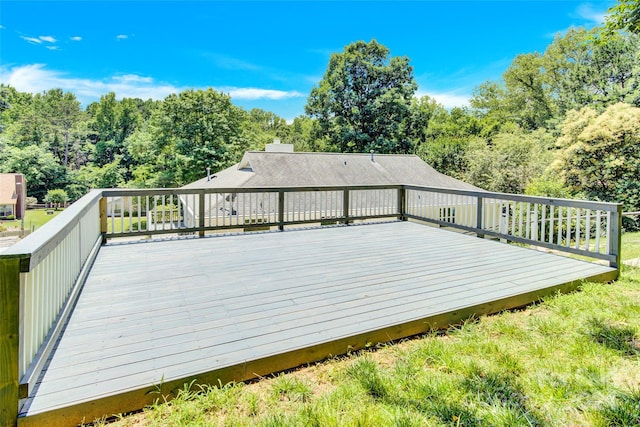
[[34, 219], [570, 360]]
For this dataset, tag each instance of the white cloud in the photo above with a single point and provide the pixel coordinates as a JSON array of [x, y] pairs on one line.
[[251, 93], [53, 47], [447, 99], [133, 78], [32, 40], [76, 38], [48, 39], [122, 37], [35, 78], [587, 12]]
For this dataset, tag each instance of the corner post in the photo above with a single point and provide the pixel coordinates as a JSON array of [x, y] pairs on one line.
[[103, 219], [281, 210], [345, 205], [201, 214], [479, 213], [402, 203], [9, 340], [615, 239]]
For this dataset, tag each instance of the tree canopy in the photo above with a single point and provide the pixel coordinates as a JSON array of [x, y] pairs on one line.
[[363, 98]]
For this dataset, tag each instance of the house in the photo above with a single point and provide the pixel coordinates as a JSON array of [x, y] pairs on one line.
[[280, 166], [13, 195]]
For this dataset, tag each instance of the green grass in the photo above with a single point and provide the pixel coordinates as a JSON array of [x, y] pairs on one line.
[[34, 219], [570, 360], [631, 245]]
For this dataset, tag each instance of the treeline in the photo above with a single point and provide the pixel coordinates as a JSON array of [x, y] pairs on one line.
[[564, 123]]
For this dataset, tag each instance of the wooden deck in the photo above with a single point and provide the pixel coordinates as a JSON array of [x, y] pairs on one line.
[[155, 315]]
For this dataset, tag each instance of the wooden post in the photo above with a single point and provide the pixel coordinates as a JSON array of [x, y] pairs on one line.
[[201, 214], [615, 238], [345, 205], [103, 219], [9, 339], [402, 208], [281, 210], [479, 213]]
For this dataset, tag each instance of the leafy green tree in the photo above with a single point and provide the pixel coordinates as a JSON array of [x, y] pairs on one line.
[[63, 112], [625, 15], [600, 154], [363, 99], [512, 160], [57, 197], [194, 130], [39, 167], [530, 100], [583, 69], [305, 135]]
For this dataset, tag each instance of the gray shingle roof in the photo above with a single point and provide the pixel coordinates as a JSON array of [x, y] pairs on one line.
[[270, 169]]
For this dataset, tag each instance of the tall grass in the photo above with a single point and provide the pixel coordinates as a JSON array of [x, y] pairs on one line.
[[570, 360]]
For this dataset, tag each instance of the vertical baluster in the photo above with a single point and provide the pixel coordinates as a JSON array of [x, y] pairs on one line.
[[608, 219], [598, 229], [568, 239], [527, 230], [587, 230], [543, 223], [578, 224]]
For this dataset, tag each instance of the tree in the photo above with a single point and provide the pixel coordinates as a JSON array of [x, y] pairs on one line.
[[624, 16], [195, 130], [512, 160], [600, 154], [39, 167], [57, 197], [63, 112], [363, 98]]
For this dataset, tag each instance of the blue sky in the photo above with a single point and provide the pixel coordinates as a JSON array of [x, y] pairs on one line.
[[267, 54]]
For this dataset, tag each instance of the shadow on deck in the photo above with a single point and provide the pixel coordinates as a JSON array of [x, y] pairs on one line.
[[153, 316]]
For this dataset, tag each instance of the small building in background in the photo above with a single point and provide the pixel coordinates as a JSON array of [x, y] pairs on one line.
[[13, 195]]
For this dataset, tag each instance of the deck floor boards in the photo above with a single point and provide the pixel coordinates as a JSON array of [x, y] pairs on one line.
[[166, 310]]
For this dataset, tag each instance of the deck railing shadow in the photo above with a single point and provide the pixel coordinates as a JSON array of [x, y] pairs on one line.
[[42, 275]]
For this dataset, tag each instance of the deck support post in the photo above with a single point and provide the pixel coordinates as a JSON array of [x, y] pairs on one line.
[[479, 213], [9, 340], [201, 214], [615, 239], [281, 210], [103, 219], [402, 204], [345, 205]]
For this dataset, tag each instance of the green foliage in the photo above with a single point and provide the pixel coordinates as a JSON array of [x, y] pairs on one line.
[[600, 154], [39, 167], [510, 162], [363, 98], [194, 130], [57, 197], [625, 15]]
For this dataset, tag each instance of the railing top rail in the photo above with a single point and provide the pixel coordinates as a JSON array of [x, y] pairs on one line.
[[124, 192], [34, 248], [586, 204]]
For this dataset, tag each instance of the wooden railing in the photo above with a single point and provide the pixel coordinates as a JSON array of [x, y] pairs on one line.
[[42, 275]]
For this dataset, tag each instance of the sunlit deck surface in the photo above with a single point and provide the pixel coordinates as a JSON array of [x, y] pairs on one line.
[[154, 315]]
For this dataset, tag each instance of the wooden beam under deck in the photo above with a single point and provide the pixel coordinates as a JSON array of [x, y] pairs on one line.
[[154, 316]]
